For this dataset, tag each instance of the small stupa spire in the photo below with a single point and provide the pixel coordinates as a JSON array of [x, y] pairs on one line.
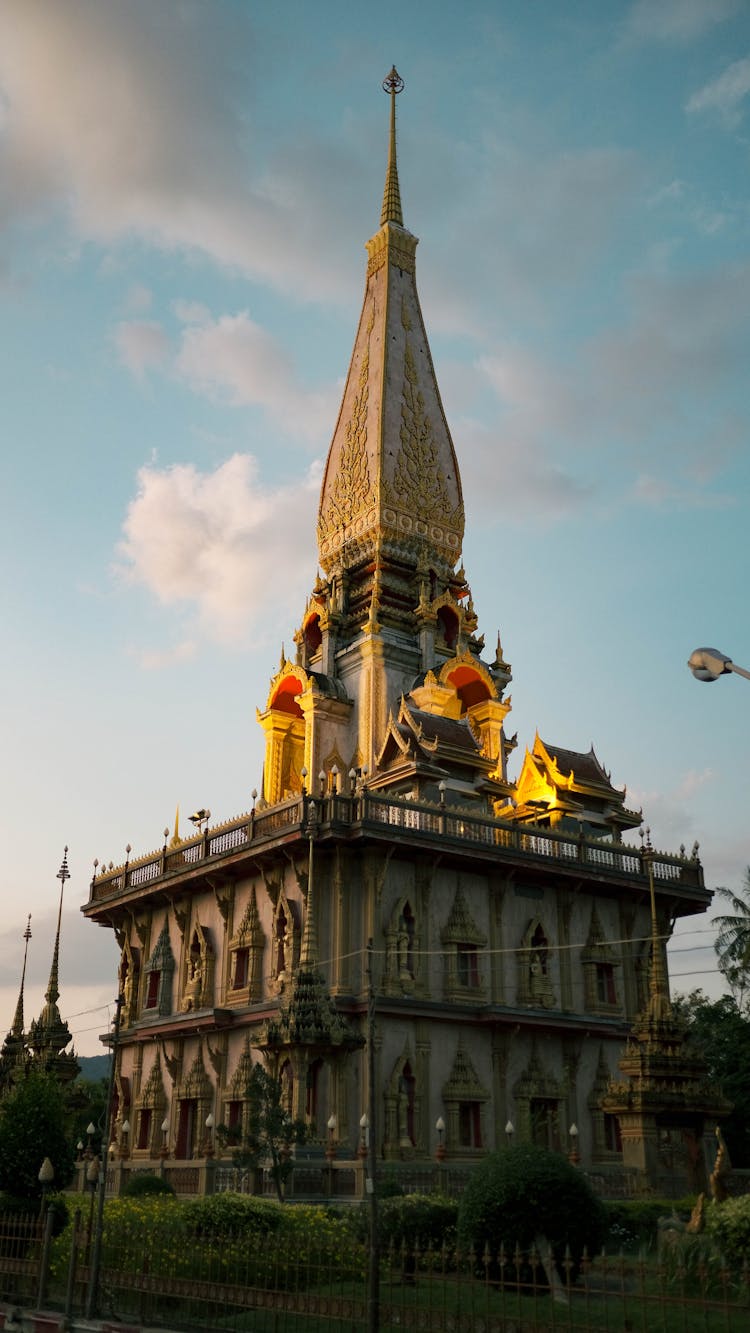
[[309, 947], [17, 1028], [659, 1005], [391, 210], [52, 994], [176, 839]]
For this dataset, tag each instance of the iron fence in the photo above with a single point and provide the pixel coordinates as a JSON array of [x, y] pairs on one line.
[[229, 1282]]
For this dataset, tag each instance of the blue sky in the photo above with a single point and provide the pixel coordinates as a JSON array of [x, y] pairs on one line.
[[185, 192]]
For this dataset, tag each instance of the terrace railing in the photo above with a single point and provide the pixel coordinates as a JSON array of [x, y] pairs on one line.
[[377, 814]]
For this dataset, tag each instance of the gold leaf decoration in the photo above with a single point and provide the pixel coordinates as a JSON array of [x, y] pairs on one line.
[[351, 486], [419, 484]]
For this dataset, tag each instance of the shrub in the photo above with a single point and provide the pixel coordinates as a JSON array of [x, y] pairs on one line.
[[56, 1204], [728, 1225], [633, 1224], [523, 1192], [415, 1221], [142, 1183], [232, 1215]]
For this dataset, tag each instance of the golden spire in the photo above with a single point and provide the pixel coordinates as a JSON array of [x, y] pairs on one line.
[[391, 210]]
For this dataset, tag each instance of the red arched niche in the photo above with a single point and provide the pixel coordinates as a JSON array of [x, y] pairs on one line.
[[313, 634], [469, 686], [285, 696]]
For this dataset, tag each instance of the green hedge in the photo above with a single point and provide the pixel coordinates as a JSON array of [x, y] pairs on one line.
[[223, 1238], [141, 1184]]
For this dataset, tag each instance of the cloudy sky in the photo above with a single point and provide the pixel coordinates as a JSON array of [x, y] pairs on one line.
[[185, 191]]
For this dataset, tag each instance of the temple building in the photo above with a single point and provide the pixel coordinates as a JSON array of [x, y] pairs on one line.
[[494, 941]]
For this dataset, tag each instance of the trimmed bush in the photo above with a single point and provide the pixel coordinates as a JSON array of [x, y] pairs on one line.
[[142, 1183], [414, 1221], [728, 1225], [523, 1192], [232, 1215]]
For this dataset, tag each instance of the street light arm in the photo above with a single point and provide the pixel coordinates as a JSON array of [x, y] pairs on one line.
[[708, 664]]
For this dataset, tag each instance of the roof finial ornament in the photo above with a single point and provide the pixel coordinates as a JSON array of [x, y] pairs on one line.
[[391, 210]]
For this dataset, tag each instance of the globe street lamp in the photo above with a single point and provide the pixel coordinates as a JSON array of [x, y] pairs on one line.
[[708, 664]]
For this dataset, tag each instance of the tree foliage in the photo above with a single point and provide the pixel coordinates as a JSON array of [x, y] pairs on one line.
[[733, 939], [524, 1192], [722, 1031], [271, 1131], [34, 1124]]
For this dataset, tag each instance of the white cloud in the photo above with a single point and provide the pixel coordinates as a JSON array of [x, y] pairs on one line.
[[234, 358], [221, 544], [157, 659], [142, 345], [139, 298], [129, 117], [647, 395], [676, 20], [725, 93]]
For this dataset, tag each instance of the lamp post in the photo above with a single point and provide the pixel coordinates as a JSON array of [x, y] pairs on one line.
[[93, 1287], [124, 1132], [708, 664], [90, 1132], [210, 1134], [164, 1150], [46, 1176], [509, 1132], [574, 1156], [331, 1143], [92, 1180], [364, 1136], [440, 1130]]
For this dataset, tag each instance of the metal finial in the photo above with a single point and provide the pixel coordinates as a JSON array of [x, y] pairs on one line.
[[393, 83], [63, 873], [27, 932], [391, 210]]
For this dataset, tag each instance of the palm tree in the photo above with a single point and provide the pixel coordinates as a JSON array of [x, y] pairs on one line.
[[733, 938]]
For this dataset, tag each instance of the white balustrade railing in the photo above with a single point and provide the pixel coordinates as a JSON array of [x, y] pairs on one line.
[[364, 808]]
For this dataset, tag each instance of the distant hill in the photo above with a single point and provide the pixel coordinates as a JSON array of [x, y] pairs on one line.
[[94, 1067]]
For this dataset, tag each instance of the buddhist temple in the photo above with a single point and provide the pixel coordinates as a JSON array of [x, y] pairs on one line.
[[403, 934]]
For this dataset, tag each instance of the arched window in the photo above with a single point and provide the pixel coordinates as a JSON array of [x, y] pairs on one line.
[[312, 1092], [313, 634], [448, 626], [406, 1091], [406, 941]]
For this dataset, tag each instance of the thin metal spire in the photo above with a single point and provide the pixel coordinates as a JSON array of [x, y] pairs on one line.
[[17, 1028], [391, 210], [53, 992]]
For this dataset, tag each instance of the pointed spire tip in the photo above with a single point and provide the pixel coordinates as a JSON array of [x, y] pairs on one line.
[[391, 210]]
